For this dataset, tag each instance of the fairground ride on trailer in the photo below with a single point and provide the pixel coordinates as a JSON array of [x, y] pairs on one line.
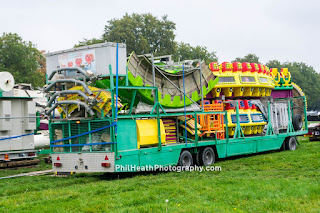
[[150, 111]]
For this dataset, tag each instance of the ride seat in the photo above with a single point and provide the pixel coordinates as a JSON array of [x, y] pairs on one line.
[[286, 77]]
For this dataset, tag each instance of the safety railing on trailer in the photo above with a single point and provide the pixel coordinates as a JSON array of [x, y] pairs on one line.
[[212, 123], [82, 136]]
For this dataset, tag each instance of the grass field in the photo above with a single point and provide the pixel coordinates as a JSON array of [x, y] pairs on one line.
[[287, 181]]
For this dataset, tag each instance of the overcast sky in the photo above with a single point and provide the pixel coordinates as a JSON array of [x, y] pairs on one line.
[[286, 30]]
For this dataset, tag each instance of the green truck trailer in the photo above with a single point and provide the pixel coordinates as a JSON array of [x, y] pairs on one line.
[[108, 122]]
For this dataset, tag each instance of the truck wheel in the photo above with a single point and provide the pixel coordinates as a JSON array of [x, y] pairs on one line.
[[185, 158], [291, 143], [207, 156], [297, 122], [198, 158]]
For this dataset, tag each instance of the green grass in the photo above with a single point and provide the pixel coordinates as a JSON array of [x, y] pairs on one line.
[[286, 181]]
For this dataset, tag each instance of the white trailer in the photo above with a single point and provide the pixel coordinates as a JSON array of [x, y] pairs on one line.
[[18, 121]]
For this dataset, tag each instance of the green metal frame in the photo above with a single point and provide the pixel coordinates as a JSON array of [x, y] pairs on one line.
[[270, 130], [290, 128], [238, 133]]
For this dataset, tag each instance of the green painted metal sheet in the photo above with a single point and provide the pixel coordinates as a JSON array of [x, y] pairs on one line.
[[240, 147], [222, 150], [124, 94], [126, 161], [127, 135], [155, 157], [269, 144], [44, 152]]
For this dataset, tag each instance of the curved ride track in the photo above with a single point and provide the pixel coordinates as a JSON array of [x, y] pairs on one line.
[[170, 93], [170, 85]]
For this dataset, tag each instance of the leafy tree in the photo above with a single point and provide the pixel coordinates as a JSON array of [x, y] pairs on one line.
[[274, 64], [41, 59], [252, 58], [143, 34], [21, 59], [186, 51], [89, 42]]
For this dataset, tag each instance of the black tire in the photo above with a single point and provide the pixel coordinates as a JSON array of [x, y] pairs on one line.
[[291, 143], [198, 158], [185, 159], [207, 156], [297, 122]]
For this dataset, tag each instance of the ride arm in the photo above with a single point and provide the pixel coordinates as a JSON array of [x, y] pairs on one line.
[[78, 69], [89, 110], [53, 97], [69, 81]]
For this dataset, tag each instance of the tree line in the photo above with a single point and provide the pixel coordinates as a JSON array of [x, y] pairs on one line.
[[142, 33], [22, 59]]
